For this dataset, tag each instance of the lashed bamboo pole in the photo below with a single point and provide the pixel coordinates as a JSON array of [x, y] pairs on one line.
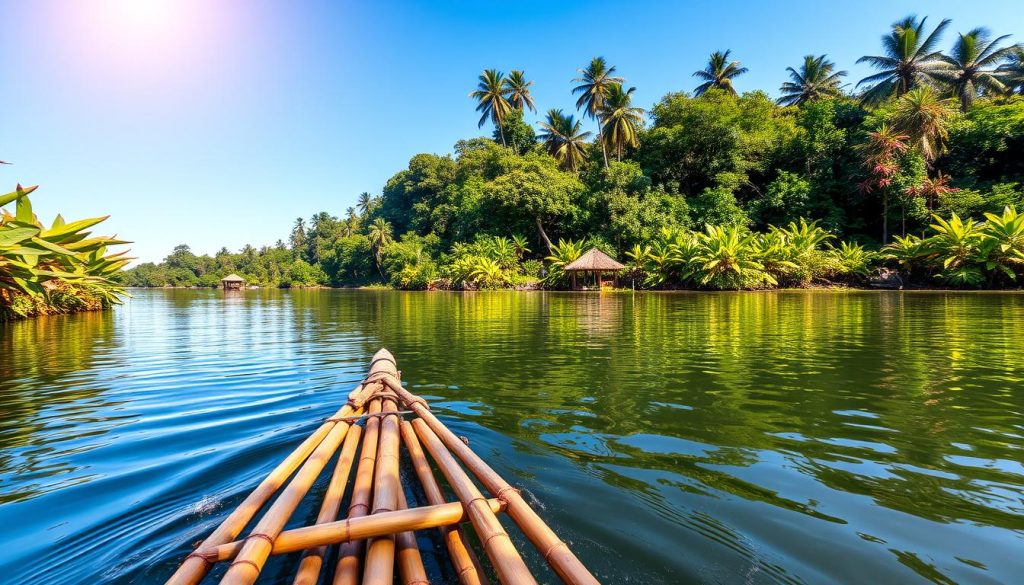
[[460, 554], [503, 554], [410, 563], [380, 553], [556, 552], [350, 557], [344, 531], [249, 562], [194, 568], [312, 561]]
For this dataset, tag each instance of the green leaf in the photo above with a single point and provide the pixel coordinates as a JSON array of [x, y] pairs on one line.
[[24, 209], [10, 236], [18, 193], [58, 234], [57, 221], [52, 247]]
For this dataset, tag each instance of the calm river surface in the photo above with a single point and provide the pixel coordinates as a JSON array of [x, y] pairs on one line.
[[794, 437]]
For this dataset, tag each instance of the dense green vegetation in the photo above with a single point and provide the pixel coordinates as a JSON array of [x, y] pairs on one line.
[[56, 269], [696, 190]]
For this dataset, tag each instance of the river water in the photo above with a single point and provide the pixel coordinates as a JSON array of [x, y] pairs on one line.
[[778, 437]]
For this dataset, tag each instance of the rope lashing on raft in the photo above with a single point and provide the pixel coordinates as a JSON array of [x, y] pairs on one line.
[[360, 417]]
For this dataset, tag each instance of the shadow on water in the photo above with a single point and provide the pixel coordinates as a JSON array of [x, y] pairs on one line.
[[761, 437]]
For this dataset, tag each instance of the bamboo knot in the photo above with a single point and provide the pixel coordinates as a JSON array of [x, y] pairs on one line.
[[464, 439], [244, 562], [261, 536], [551, 549], [376, 377], [504, 498], [201, 556]]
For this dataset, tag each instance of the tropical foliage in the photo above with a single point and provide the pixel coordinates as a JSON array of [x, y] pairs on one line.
[[716, 188], [55, 268]]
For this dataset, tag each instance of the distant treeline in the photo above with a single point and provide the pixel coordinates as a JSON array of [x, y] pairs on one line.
[[932, 139]]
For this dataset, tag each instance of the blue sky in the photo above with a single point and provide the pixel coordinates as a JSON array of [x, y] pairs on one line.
[[218, 122]]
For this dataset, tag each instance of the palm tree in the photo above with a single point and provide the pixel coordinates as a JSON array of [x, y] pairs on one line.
[[518, 89], [379, 234], [491, 101], [594, 82], [364, 203], [520, 244], [563, 139], [910, 58], [719, 73], [924, 117], [816, 79], [622, 121], [972, 66], [1012, 72]]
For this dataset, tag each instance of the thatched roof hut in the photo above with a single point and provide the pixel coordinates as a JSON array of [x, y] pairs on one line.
[[595, 262], [232, 282]]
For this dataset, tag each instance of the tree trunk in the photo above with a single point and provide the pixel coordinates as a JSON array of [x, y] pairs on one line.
[[501, 132], [885, 217], [543, 235], [600, 138]]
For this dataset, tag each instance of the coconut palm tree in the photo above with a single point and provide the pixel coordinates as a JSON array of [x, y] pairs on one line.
[[563, 139], [924, 117], [594, 82], [972, 65], [379, 234], [622, 121], [719, 73], [492, 103], [364, 203], [1012, 72], [518, 89], [910, 58], [816, 79]]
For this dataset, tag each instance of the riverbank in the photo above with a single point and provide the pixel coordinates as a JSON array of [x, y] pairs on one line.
[[62, 299]]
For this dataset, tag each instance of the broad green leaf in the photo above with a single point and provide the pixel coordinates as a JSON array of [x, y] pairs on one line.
[[24, 209], [51, 246], [56, 234], [10, 236]]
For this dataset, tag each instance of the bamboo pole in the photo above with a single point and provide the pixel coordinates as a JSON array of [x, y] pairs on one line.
[[556, 552], [410, 563], [503, 554], [380, 553], [194, 568], [352, 529], [312, 561], [459, 553], [247, 566], [350, 557]]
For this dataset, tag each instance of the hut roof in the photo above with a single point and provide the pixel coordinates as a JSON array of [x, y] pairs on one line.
[[232, 278], [593, 259]]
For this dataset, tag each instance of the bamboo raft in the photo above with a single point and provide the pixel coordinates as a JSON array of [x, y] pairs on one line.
[[376, 535]]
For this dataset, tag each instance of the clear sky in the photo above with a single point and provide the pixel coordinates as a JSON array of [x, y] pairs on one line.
[[218, 122]]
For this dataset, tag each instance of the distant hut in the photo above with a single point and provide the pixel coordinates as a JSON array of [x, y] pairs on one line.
[[594, 262], [232, 282]]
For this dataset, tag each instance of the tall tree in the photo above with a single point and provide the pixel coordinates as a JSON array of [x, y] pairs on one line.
[[909, 59], [564, 140], [491, 99], [881, 160], [924, 117], [379, 234], [1012, 72], [364, 203], [622, 121], [298, 236], [594, 82], [719, 73], [816, 79], [973, 65], [518, 89]]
